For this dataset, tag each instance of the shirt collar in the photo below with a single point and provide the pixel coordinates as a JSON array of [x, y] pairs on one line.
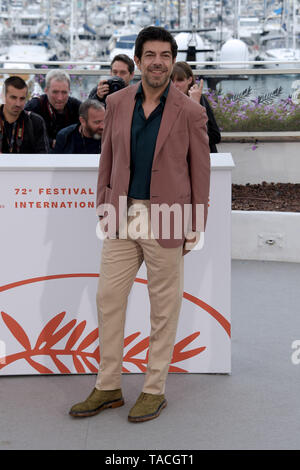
[[140, 93]]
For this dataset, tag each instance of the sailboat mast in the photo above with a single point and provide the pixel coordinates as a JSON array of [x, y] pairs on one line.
[[294, 25], [72, 31], [237, 12], [189, 14]]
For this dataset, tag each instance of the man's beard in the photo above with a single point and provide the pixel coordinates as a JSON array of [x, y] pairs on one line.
[[91, 134], [158, 82]]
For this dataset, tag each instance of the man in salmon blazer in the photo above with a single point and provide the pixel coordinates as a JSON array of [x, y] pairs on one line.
[[153, 183]]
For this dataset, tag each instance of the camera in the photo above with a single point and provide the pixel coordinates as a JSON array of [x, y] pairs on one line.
[[115, 84]]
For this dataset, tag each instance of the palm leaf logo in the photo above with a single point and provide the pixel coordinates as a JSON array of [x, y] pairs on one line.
[[53, 332]]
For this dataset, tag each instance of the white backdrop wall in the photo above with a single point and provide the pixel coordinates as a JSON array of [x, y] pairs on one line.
[[49, 265]]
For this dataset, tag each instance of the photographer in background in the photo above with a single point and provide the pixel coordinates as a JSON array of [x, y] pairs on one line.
[[86, 136], [121, 66], [56, 106], [20, 131], [184, 80]]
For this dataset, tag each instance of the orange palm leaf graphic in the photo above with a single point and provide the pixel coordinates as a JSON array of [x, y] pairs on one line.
[[134, 351], [77, 332], [16, 330], [47, 334], [180, 355], [60, 365], [82, 358]]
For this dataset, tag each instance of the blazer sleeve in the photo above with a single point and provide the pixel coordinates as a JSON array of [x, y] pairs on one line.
[[199, 167], [106, 158]]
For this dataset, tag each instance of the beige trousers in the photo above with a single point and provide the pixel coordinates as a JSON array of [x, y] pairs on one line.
[[120, 262]]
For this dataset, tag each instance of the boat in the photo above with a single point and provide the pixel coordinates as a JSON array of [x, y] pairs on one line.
[[272, 24], [122, 41], [286, 58], [220, 34], [234, 50], [24, 55], [19, 55], [124, 45], [23, 22], [190, 41], [249, 28]]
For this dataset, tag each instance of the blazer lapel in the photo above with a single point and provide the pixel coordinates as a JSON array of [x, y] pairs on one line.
[[128, 105], [171, 112]]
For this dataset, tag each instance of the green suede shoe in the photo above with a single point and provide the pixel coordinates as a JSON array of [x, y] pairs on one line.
[[97, 401], [148, 406]]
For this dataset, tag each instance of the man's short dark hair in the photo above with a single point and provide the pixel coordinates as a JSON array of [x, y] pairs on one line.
[[124, 58], [16, 82], [86, 105], [154, 33]]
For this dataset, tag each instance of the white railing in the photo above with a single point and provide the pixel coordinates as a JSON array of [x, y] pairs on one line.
[[103, 68]]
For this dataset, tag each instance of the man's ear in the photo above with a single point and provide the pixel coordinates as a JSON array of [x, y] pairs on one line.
[[137, 62], [81, 120]]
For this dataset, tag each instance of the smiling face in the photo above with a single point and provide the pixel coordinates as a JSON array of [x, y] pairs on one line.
[[156, 63]]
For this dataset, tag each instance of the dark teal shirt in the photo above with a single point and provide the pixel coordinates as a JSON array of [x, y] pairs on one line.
[[143, 141]]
